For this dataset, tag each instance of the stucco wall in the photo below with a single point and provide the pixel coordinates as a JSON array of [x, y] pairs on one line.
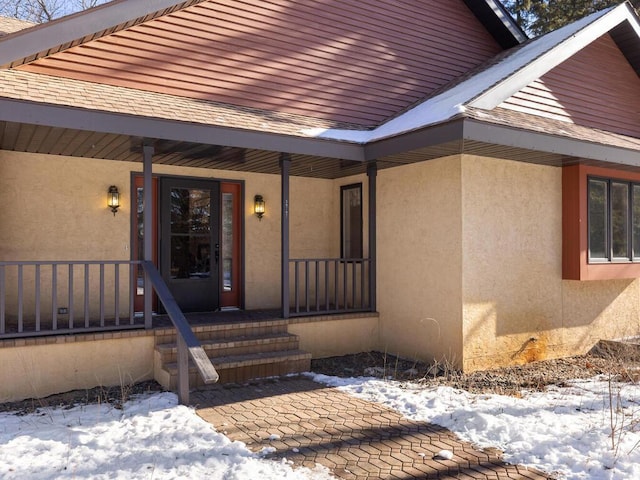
[[36, 371], [419, 260], [517, 308], [55, 209], [336, 335]]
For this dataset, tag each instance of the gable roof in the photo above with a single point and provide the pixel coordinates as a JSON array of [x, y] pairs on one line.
[[493, 84], [40, 110], [117, 15], [62, 33], [332, 60]]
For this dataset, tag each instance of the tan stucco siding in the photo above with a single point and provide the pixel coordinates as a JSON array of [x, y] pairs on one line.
[[36, 371], [419, 260], [55, 209], [336, 335], [517, 308]]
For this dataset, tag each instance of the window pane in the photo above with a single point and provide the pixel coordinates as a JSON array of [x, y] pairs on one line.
[[636, 220], [227, 241], [190, 256], [190, 210], [620, 219], [598, 219], [352, 221]]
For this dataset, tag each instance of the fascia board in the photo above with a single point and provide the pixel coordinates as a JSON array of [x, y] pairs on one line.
[[543, 142], [21, 111], [507, 20], [534, 63], [29, 42]]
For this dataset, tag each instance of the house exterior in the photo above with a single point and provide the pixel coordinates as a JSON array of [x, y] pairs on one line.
[[435, 184]]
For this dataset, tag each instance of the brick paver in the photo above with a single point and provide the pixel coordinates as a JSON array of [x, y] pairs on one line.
[[309, 423]]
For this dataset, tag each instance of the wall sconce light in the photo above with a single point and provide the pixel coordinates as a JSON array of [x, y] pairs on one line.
[[258, 206], [113, 199]]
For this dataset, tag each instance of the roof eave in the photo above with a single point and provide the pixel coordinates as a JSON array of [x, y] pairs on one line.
[[554, 56], [498, 22], [43, 39], [21, 111]]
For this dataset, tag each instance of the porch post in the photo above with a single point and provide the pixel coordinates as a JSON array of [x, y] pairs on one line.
[[285, 163], [372, 172], [147, 152]]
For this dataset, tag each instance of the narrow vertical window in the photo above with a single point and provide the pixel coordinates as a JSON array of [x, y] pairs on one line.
[[227, 242], [620, 220], [635, 221], [598, 249], [351, 217]]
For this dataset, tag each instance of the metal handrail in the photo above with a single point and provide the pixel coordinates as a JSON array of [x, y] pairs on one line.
[[188, 344]]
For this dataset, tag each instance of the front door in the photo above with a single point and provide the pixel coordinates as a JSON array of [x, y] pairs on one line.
[[190, 241]]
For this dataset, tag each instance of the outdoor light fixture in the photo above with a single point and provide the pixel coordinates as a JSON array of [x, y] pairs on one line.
[[258, 206], [113, 199]]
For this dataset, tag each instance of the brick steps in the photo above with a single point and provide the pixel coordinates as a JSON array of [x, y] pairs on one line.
[[240, 351]]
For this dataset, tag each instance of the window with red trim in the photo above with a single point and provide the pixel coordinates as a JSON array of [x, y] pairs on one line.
[[600, 223]]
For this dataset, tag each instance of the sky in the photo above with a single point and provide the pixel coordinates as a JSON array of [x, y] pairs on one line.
[[565, 430]]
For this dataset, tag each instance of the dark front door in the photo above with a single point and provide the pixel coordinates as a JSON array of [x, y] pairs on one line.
[[190, 241]]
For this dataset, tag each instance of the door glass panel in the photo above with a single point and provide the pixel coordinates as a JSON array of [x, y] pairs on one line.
[[190, 256], [190, 233], [620, 219], [227, 241], [190, 211], [598, 219]]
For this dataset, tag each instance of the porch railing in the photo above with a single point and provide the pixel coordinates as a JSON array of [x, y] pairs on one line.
[[45, 297], [61, 297], [329, 285]]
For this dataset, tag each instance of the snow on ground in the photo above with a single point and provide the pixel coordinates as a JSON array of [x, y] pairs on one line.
[[563, 430], [151, 438]]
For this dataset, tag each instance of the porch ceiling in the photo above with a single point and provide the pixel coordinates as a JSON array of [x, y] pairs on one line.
[[24, 137], [498, 134]]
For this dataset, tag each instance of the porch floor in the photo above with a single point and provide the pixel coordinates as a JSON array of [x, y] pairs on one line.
[[310, 423], [224, 316]]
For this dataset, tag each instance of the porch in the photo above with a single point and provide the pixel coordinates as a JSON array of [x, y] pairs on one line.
[[241, 344]]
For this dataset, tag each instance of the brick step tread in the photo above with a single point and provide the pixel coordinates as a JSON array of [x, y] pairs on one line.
[[228, 325], [241, 341], [236, 361]]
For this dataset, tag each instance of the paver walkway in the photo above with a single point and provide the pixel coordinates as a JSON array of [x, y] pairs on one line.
[[310, 423]]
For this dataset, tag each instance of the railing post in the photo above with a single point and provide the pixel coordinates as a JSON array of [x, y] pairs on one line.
[[183, 371], [285, 164], [372, 172], [147, 153]]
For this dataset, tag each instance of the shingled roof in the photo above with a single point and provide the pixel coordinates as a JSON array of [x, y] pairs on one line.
[[324, 116], [11, 25]]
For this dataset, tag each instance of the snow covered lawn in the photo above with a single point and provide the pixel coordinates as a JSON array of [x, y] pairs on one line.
[[151, 438], [564, 430]]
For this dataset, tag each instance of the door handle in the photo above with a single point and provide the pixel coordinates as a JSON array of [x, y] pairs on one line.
[[217, 253]]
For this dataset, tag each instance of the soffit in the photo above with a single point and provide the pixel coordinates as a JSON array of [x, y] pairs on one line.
[[502, 134], [330, 59]]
